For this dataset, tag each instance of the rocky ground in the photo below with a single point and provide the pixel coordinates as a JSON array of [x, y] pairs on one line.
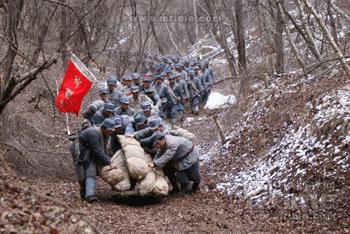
[[47, 200]]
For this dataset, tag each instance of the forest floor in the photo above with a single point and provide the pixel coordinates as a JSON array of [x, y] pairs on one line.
[[44, 204]]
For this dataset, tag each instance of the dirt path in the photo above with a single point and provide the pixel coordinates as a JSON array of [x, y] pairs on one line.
[[201, 213], [205, 212]]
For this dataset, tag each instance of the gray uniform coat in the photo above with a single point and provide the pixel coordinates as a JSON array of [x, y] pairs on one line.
[[180, 152], [92, 139], [114, 97], [129, 112]]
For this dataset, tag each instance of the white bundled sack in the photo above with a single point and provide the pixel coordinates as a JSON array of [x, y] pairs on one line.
[[153, 184], [160, 187], [149, 181], [181, 132], [146, 185], [137, 160], [118, 178]]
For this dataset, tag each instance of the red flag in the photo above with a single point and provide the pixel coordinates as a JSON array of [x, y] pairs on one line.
[[76, 83]]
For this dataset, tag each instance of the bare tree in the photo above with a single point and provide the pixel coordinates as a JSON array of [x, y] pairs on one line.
[[11, 85], [240, 36], [328, 35]]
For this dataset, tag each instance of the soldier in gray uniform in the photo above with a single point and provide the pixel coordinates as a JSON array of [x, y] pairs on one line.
[[139, 122], [180, 154], [147, 111], [201, 76], [146, 83], [186, 94], [95, 105], [177, 109], [136, 98], [113, 93], [211, 76], [126, 85], [103, 92], [168, 72], [206, 73], [165, 96], [124, 108], [151, 93], [195, 88], [92, 143], [136, 81], [106, 112], [183, 73]]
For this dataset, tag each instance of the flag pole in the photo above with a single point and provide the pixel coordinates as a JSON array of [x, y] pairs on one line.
[[83, 69]]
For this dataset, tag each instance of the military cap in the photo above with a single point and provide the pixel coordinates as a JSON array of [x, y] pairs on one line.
[[139, 119], [112, 79], [154, 123], [102, 90], [108, 124], [124, 100], [135, 89], [127, 77], [145, 106], [156, 137], [108, 107]]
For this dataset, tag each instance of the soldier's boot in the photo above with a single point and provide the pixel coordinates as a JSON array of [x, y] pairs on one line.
[[196, 109], [181, 116], [175, 190], [185, 189], [82, 191], [175, 185], [91, 199], [195, 187]]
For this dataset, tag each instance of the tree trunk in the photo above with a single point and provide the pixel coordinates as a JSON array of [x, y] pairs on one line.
[[63, 36], [279, 42], [220, 37], [329, 36], [291, 42], [332, 22], [14, 9], [240, 37], [340, 11], [305, 24]]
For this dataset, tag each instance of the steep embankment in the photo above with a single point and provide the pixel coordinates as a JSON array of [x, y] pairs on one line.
[[290, 151]]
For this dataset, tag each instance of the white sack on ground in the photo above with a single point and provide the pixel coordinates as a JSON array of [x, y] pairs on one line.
[[146, 184], [118, 178], [153, 184], [149, 181], [137, 160], [217, 100], [161, 187]]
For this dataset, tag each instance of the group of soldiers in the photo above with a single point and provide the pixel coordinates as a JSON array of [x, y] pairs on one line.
[[139, 106]]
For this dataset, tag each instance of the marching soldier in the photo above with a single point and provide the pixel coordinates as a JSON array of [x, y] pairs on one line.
[[124, 108], [106, 112], [113, 93], [165, 96]]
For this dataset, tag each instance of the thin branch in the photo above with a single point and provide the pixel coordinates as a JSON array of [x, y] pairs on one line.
[[28, 78]]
